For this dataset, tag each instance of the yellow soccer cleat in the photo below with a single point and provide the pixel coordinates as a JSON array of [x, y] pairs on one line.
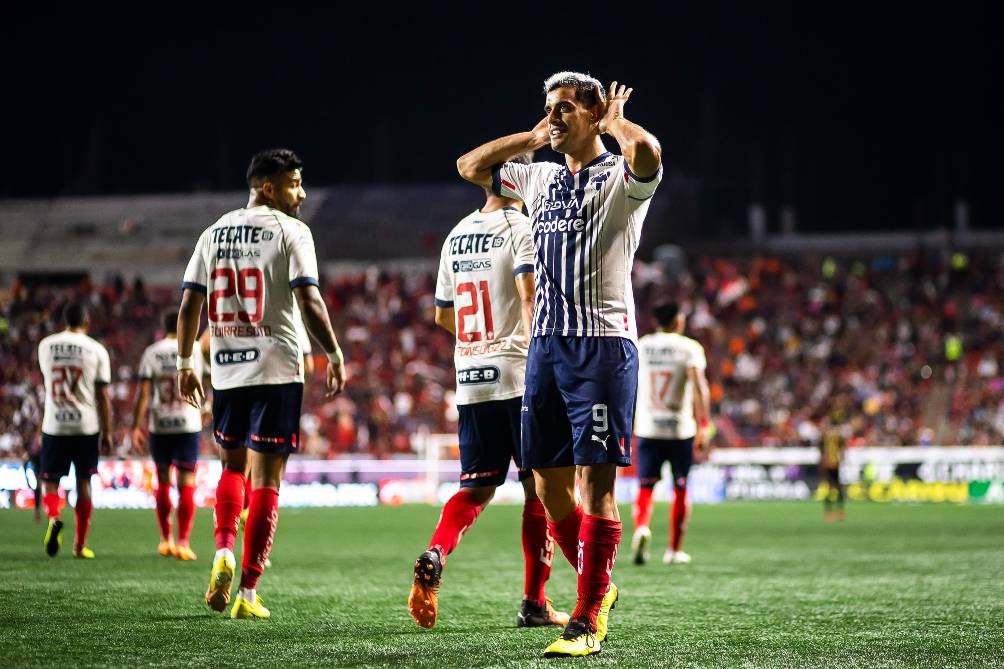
[[185, 553], [166, 548], [576, 641], [53, 537], [603, 617], [423, 601], [220, 579], [244, 609], [83, 553]]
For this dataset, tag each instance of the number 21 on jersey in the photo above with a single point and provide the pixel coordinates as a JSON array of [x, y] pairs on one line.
[[482, 305]]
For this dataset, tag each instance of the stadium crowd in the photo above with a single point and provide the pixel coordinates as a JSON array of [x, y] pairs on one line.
[[906, 349]]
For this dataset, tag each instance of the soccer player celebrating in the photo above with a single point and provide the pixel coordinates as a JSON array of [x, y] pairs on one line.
[[672, 388], [174, 435], [252, 264], [489, 313], [77, 372], [582, 368]]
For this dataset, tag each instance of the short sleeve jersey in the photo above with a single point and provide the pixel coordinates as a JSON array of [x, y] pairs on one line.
[[665, 408], [586, 226], [247, 264], [73, 365], [479, 262], [169, 413]]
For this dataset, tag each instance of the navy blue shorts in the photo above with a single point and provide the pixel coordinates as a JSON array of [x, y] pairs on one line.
[[578, 406], [59, 451], [653, 452], [180, 450], [263, 418], [489, 439]]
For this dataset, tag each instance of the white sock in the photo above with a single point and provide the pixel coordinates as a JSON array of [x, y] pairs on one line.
[[248, 594], [224, 552]]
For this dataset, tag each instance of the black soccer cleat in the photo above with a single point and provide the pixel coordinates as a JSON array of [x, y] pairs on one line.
[[53, 537], [532, 614]]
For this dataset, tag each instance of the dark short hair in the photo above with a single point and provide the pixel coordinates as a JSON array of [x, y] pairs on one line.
[[170, 321], [267, 164], [665, 313], [588, 89], [75, 314]]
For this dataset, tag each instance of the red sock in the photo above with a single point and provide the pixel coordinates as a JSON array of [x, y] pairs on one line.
[[263, 515], [599, 538], [186, 513], [538, 551], [247, 493], [229, 501], [164, 510], [82, 514], [458, 514], [565, 533], [643, 507], [52, 504], [678, 517]]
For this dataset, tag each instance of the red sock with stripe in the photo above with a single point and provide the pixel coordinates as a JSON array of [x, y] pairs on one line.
[[565, 533], [186, 513], [678, 517], [82, 516], [229, 502], [263, 516], [458, 514], [163, 498], [52, 504], [642, 509], [538, 550], [599, 538]]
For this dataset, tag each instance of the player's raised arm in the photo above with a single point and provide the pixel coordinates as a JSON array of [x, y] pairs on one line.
[[476, 166], [315, 319], [639, 147]]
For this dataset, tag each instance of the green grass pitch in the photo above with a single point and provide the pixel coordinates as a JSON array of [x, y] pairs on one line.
[[771, 585]]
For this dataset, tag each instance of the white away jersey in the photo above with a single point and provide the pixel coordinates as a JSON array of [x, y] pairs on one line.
[[586, 226], [480, 259], [169, 414], [247, 264], [72, 365], [665, 408]]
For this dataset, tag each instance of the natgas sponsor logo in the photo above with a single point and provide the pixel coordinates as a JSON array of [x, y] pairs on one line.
[[237, 357], [472, 265], [473, 376], [237, 254]]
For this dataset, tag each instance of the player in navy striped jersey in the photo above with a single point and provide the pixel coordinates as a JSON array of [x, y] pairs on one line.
[[582, 371]]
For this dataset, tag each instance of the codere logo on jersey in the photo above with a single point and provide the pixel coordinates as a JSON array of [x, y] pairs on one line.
[[476, 375]]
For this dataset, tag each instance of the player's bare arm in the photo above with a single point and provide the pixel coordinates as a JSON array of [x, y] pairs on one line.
[[641, 150], [104, 403], [189, 383], [702, 405], [139, 416], [315, 319], [524, 286], [446, 318], [476, 166]]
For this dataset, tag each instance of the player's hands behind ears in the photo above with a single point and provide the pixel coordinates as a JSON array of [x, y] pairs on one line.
[[336, 379], [541, 133], [190, 388], [613, 110]]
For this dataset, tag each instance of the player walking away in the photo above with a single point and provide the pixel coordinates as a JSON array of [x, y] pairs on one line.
[[174, 429], [672, 389], [490, 315], [253, 264], [830, 456], [582, 368], [77, 372]]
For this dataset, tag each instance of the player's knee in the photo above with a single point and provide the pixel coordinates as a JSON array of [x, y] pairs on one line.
[[483, 494]]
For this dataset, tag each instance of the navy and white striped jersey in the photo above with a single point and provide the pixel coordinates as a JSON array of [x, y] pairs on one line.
[[586, 226]]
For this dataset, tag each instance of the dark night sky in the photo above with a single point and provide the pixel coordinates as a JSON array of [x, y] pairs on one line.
[[867, 117]]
